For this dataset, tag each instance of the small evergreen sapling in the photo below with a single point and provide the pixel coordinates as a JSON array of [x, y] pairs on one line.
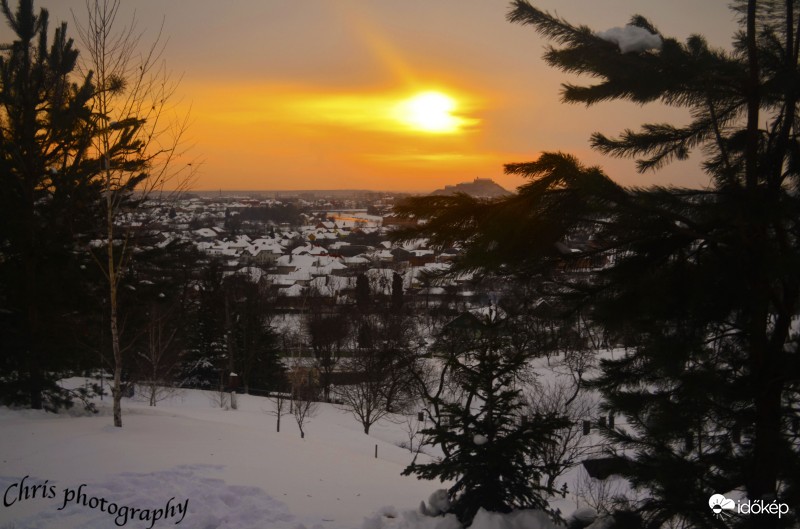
[[491, 452]]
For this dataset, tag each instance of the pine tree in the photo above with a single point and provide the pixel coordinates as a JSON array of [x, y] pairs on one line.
[[328, 331], [46, 198], [490, 450], [397, 293], [256, 356], [702, 286], [363, 293], [206, 355]]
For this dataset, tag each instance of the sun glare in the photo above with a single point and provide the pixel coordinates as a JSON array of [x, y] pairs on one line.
[[430, 112]]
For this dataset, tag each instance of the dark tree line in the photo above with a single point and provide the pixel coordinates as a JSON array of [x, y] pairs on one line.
[[230, 332], [278, 214]]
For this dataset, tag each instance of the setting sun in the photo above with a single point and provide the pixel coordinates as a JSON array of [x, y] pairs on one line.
[[430, 112]]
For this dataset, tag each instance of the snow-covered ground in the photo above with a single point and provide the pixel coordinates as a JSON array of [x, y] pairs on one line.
[[189, 463]]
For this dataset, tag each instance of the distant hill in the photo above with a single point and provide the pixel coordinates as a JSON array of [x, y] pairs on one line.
[[479, 188]]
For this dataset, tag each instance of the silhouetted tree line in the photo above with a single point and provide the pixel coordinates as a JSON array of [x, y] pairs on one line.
[[277, 214]]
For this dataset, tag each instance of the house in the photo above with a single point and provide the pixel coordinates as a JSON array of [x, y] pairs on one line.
[[396, 221], [356, 264], [421, 257], [205, 234], [263, 252], [289, 263]]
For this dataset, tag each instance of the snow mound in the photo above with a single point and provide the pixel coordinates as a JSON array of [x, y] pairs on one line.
[[631, 39], [524, 519], [412, 520], [520, 519], [584, 516]]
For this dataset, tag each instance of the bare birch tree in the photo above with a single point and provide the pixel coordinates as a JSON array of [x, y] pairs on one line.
[[303, 408], [380, 370], [138, 142], [570, 446], [158, 360], [279, 411], [304, 395], [364, 396]]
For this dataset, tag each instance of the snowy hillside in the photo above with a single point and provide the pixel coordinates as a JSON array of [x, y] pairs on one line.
[[232, 466]]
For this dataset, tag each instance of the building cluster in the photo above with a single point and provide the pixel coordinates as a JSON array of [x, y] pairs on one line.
[[318, 258]]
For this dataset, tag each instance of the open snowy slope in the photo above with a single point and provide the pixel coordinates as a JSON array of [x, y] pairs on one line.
[[231, 466]]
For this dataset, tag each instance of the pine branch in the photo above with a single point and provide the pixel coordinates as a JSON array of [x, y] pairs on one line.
[[663, 141], [549, 26]]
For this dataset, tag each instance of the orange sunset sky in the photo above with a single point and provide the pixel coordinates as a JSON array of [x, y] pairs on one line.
[[388, 95]]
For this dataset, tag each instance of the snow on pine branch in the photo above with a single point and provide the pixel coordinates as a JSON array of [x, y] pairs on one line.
[[631, 39]]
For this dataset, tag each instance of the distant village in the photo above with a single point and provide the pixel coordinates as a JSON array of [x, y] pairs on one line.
[[302, 246]]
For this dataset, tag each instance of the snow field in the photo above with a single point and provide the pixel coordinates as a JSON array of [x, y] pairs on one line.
[[235, 470]]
